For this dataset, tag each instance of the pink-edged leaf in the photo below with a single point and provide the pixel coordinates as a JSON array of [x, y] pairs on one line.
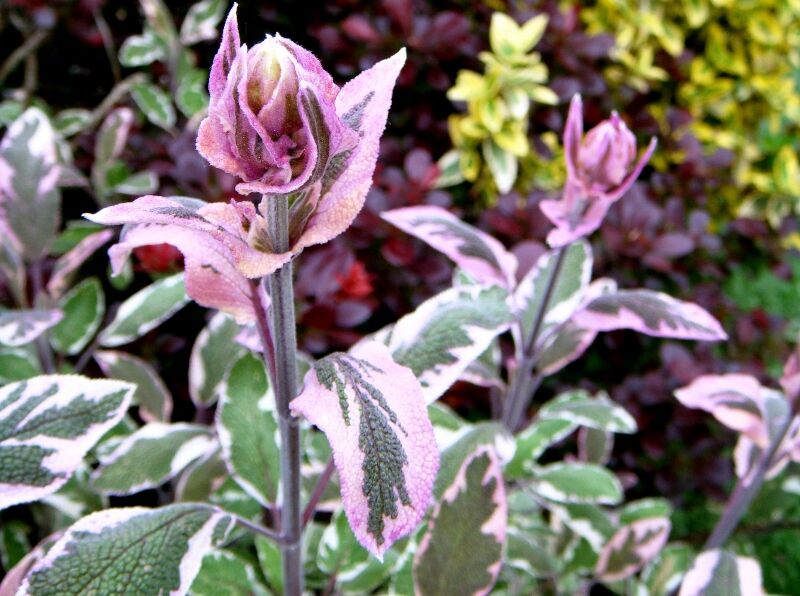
[[476, 252], [363, 105], [47, 425], [12, 267], [69, 262], [374, 416], [152, 396], [721, 572], [790, 379], [149, 551], [747, 454], [565, 347], [631, 548], [463, 545], [19, 327], [651, 313]]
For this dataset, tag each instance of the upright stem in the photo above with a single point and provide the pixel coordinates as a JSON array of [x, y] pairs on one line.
[[523, 385], [42, 342], [285, 342]]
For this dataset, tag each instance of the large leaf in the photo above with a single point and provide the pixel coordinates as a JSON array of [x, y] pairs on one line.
[[47, 425], [214, 352], [721, 573], [84, 307], [151, 456], [152, 396], [147, 551], [145, 310], [30, 202], [248, 429], [446, 333], [461, 552], [577, 483], [651, 313], [474, 251], [580, 408], [225, 574], [19, 327], [374, 415]]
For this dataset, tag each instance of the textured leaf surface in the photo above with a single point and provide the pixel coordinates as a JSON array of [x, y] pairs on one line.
[[130, 551], [580, 408], [145, 310], [214, 352], [248, 429], [84, 307], [47, 425], [446, 333], [631, 548], [651, 313], [474, 251], [461, 552], [225, 574], [374, 415], [577, 483], [151, 456], [152, 396], [19, 327], [720, 573]]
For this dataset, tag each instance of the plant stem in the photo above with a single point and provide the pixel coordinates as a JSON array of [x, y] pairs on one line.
[[523, 385], [28, 47], [745, 491], [319, 490], [42, 342], [259, 529], [285, 342]]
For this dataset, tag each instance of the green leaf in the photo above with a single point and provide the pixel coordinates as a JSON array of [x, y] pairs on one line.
[[664, 574], [461, 552], [140, 50], [145, 310], [140, 183], [269, 558], [645, 509], [84, 307], [577, 483], [533, 441], [225, 574], [580, 408], [449, 166], [504, 35], [481, 435], [70, 121], [72, 235], [502, 165], [151, 456], [119, 551], [152, 396], [248, 429], [191, 96], [214, 352], [155, 104], [14, 544], [590, 522], [199, 480], [721, 573], [631, 548], [201, 21], [17, 364]]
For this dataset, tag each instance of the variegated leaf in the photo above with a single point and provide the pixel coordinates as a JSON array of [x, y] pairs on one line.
[[201, 21], [565, 347], [447, 332], [12, 267], [664, 574], [721, 572], [47, 425], [474, 251], [152, 396], [151, 456], [373, 413], [462, 550], [155, 103], [20, 327], [148, 551], [141, 50], [533, 441], [226, 574], [590, 522], [577, 483], [631, 548], [145, 310], [485, 370], [84, 307], [580, 408], [18, 364], [202, 478], [651, 313], [69, 262], [573, 279], [247, 427], [484, 434], [214, 352], [30, 202]]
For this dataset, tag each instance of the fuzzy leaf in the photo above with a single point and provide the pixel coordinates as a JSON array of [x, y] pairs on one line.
[[151, 456], [84, 307], [155, 104], [145, 310], [20, 327], [448, 332], [134, 549], [152, 396], [631, 548], [577, 483], [582, 409], [373, 413], [248, 429], [476, 252], [720, 573], [651, 313], [214, 352], [47, 425], [461, 552], [565, 347], [68, 263], [201, 21]]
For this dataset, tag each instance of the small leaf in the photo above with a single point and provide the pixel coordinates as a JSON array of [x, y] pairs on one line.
[[151, 456], [152, 396], [145, 310], [84, 307], [631, 548], [47, 425], [141, 50], [533, 441], [664, 574], [20, 327], [140, 183], [72, 259], [461, 552], [155, 104], [18, 364], [449, 170], [597, 412], [201, 21], [502, 165], [191, 96], [721, 572], [159, 551], [214, 352], [565, 347], [71, 121], [504, 34], [577, 483]]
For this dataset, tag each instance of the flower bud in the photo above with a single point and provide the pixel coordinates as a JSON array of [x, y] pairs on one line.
[[606, 154]]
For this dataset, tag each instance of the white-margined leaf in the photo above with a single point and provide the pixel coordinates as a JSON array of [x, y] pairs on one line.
[[214, 352], [502, 164], [149, 551], [70, 121], [69, 262], [721, 572], [631, 548], [155, 104], [151, 456], [588, 521], [141, 50], [109, 143], [447, 332], [484, 371], [47, 425], [226, 574], [84, 307], [145, 310], [18, 364], [20, 327], [564, 347], [201, 478], [152, 396], [201, 21], [577, 483], [247, 427], [138, 184], [462, 549], [533, 441], [191, 96], [480, 435], [580, 408], [664, 574]]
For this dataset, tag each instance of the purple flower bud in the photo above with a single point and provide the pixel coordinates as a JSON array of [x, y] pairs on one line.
[[606, 154]]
